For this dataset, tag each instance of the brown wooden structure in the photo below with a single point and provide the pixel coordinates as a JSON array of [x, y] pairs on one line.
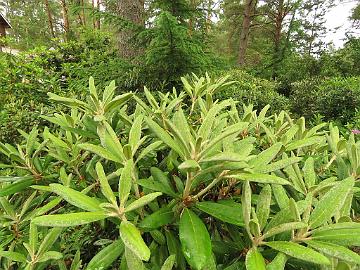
[[3, 25]]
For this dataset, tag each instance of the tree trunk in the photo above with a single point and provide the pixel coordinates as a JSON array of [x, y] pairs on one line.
[[65, 19], [83, 20], [279, 18], [133, 12], [50, 20], [250, 6], [97, 20]]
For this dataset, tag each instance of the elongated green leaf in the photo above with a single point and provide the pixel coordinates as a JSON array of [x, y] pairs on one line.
[[169, 263], [49, 240], [105, 257], [104, 184], [280, 196], [278, 263], [76, 198], [299, 252], [164, 136], [189, 165], [157, 219], [14, 256], [205, 128], [195, 240], [67, 220], [228, 131], [275, 166], [133, 261], [132, 239], [15, 187], [284, 227], [125, 182], [263, 206], [142, 201], [117, 102], [110, 141], [147, 150], [33, 237], [254, 260], [266, 156], [335, 251], [157, 186], [344, 237], [304, 142], [135, 132], [335, 198], [309, 173], [229, 214], [67, 101], [15, 178], [50, 255], [246, 205], [100, 151], [260, 178]]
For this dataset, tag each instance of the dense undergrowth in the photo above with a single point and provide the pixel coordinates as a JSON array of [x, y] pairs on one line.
[[178, 181]]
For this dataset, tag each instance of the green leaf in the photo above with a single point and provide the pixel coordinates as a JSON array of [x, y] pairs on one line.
[[49, 240], [50, 255], [76, 198], [100, 151], [164, 136], [344, 236], [33, 237], [147, 150], [278, 263], [223, 212], [206, 126], [135, 132], [15, 178], [260, 178], [275, 166], [266, 156], [280, 196], [309, 173], [157, 219], [335, 251], [142, 201], [304, 142], [105, 257], [14, 256], [157, 186], [125, 182], [104, 184], [254, 260], [300, 252], [133, 240], [67, 220], [133, 261], [15, 187], [246, 205], [189, 165], [169, 263], [195, 240], [263, 206], [283, 228], [117, 102], [335, 198]]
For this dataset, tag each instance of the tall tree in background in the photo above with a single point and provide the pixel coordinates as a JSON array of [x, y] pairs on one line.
[[133, 14], [249, 12], [312, 28], [278, 13], [50, 19], [65, 16]]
